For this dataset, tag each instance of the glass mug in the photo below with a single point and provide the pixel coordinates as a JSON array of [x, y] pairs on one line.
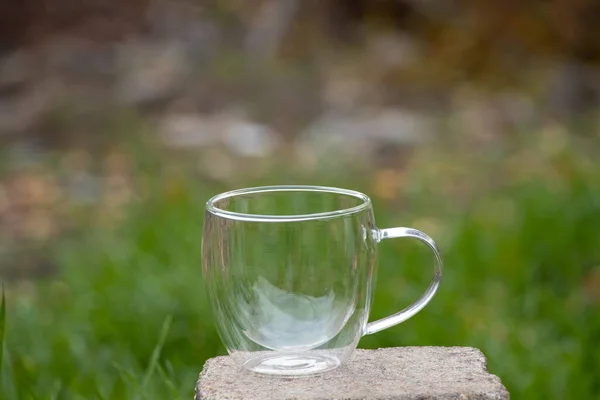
[[289, 272]]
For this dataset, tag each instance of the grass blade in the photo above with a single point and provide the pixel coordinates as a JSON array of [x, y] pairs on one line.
[[156, 352], [127, 375], [170, 385]]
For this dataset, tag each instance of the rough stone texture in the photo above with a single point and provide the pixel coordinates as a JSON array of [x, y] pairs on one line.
[[383, 374]]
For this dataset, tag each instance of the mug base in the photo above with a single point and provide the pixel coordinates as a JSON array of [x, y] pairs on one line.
[[291, 364]]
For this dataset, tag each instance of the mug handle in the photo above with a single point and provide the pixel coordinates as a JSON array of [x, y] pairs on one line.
[[403, 315]]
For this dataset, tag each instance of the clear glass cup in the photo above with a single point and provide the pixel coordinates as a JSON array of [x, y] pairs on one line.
[[289, 272]]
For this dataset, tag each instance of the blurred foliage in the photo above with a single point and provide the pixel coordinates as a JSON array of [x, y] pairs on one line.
[[126, 314], [465, 38]]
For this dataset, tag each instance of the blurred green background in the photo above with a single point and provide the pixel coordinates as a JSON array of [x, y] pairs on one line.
[[476, 122]]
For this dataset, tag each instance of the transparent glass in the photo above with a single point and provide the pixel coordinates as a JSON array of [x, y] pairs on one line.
[[289, 272]]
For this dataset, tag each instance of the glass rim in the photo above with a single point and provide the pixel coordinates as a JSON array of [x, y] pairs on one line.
[[213, 209]]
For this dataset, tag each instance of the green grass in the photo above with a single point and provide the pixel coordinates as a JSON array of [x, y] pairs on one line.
[[2, 330], [126, 317]]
